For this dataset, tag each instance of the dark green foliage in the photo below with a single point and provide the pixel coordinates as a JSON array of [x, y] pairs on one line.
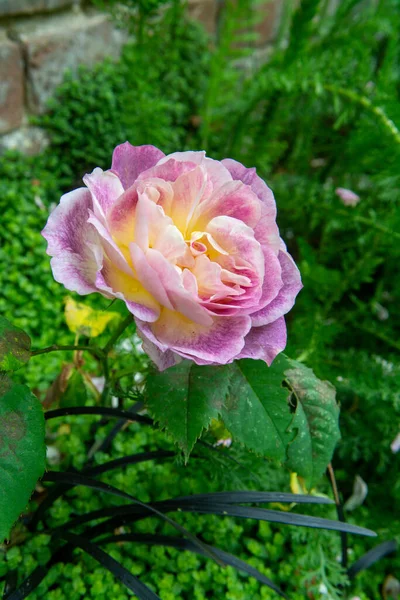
[[151, 96], [319, 114], [169, 572], [30, 298]]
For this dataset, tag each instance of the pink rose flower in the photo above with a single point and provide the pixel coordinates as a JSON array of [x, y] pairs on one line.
[[192, 247]]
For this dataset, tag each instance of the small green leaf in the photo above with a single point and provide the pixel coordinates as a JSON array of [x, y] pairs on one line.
[[22, 450], [257, 411], [75, 393], [316, 422], [185, 398], [15, 346]]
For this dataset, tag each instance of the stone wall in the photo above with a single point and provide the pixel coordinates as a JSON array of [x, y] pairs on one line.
[[41, 39]]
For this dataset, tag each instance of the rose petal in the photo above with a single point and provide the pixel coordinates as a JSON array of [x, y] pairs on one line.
[[156, 230], [110, 247], [249, 176], [168, 169], [266, 230], [237, 239], [163, 360], [233, 199], [217, 173], [129, 161], [148, 277], [69, 236], [105, 188], [121, 216], [285, 299], [216, 344], [114, 283], [266, 342], [182, 301], [189, 190]]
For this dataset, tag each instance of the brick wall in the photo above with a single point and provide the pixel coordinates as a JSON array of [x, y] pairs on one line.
[[41, 39]]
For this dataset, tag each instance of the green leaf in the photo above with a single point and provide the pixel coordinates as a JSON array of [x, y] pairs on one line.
[[316, 422], [257, 412], [75, 394], [15, 346], [22, 450], [185, 398], [283, 412]]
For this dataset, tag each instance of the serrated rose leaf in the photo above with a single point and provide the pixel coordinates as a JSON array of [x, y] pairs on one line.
[[283, 412], [315, 423], [184, 399]]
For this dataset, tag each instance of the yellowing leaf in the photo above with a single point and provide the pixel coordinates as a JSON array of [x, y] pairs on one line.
[[84, 320], [297, 484]]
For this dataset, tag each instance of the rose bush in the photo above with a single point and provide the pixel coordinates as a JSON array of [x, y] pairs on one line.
[[192, 247]]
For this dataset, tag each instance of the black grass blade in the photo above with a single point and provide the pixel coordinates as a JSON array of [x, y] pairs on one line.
[[49, 500], [58, 491], [79, 479], [263, 514], [130, 513], [104, 445], [243, 497], [29, 585], [371, 557], [128, 460], [104, 411], [11, 582], [123, 575], [182, 544]]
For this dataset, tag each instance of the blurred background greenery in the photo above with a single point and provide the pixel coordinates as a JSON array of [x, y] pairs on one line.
[[315, 113]]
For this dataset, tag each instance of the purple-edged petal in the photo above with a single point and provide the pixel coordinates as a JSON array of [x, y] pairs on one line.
[[233, 199], [286, 297], [238, 241], [266, 230], [272, 283], [168, 169], [266, 342], [217, 173], [163, 360], [249, 176], [105, 188], [217, 344], [129, 161], [69, 237]]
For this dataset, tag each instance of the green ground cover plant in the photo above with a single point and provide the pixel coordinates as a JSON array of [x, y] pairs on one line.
[[316, 113]]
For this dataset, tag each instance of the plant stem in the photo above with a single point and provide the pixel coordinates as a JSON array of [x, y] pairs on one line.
[[377, 111], [340, 513], [56, 348], [117, 333], [106, 350]]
